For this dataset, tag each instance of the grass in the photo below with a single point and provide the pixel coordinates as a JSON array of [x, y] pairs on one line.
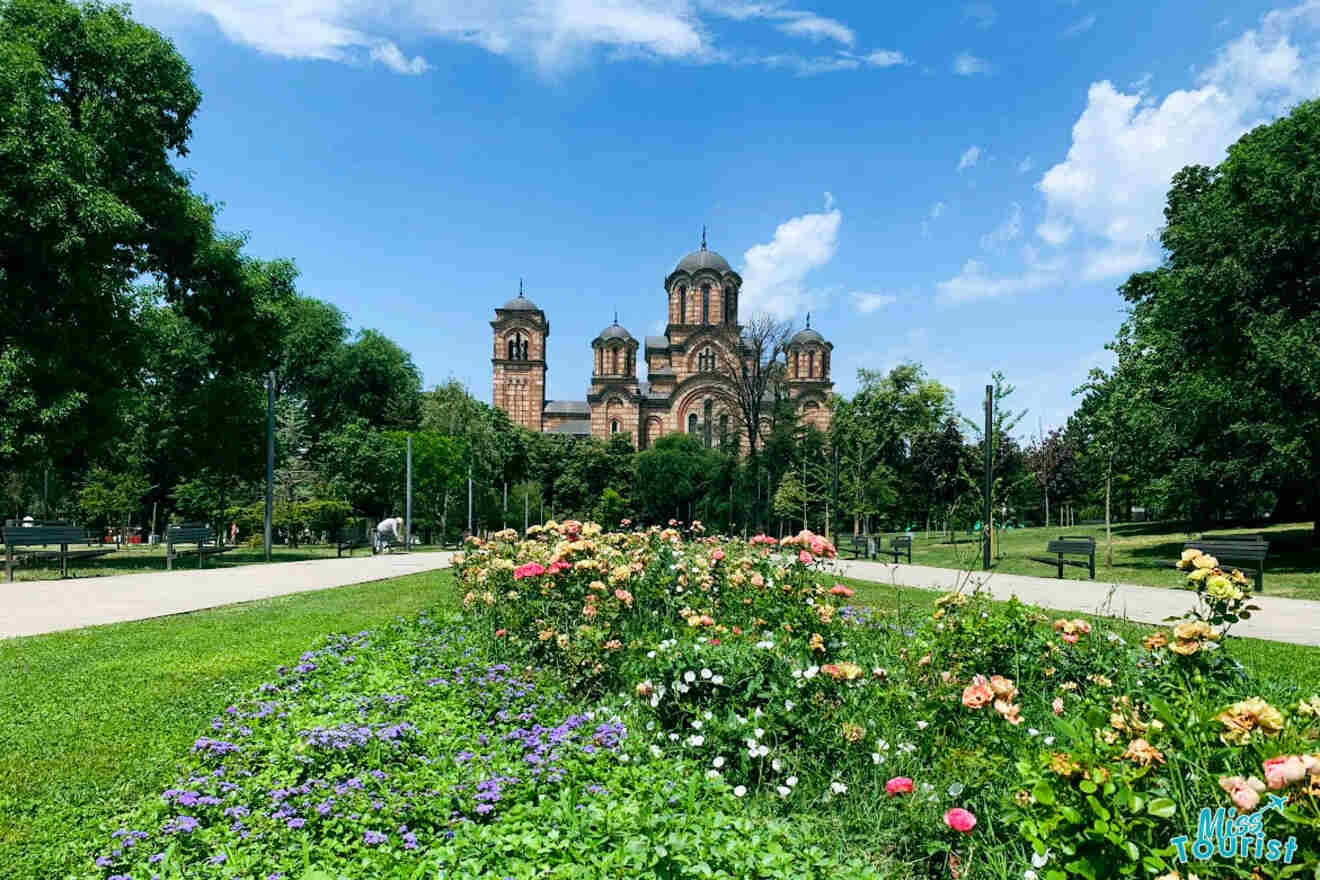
[[137, 558], [92, 720], [1143, 554]]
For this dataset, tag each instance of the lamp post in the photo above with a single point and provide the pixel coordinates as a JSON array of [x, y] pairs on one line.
[[270, 455], [407, 504], [986, 531]]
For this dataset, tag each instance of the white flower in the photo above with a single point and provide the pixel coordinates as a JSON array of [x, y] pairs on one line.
[[797, 673], [1049, 740], [882, 745], [784, 791], [762, 751], [838, 787], [696, 724], [624, 759], [1029, 875], [718, 762], [718, 679], [673, 737], [740, 791], [696, 741], [777, 765], [759, 732], [708, 715], [689, 676], [650, 725], [792, 780], [906, 747], [758, 713], [706, 674], [655, 700], [712, 774], [1040, 860], [682, 688], [788, 705], [922, 725], [766, 646], [1031, 731], [650, 655], [811, 672], [655, 751], [877, 758]]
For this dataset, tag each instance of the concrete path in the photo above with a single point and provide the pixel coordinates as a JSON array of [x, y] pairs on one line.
[[33, 607], [1280, 620]]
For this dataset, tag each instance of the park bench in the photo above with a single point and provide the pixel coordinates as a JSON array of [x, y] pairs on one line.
[[191, 533], [1070, 545], [44, 535], [860, 546], [352, 537], [898, 546], [1237, 548]]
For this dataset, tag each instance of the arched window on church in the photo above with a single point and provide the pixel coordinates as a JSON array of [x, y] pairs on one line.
[[724, 428], [730, 306], [614, 426], [615, 355], [811, 364], [692, 423], [705, 303], [797, 365], [707, 426], [824, 364], [682, 304]]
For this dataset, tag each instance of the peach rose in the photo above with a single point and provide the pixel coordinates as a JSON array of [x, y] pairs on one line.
[[960, 820], [977, 694]]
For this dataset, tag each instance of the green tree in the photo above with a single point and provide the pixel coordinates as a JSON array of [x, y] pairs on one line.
[[112, 496], [93, 109], [1223, 339]]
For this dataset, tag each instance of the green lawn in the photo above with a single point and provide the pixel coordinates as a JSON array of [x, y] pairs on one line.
[[92, 720], [136, 558], [1144, 553]]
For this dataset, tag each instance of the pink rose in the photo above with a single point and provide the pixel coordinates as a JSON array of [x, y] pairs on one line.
[[841, 590], [1057, 705], [804, 557], [899, 785], [531, 569], [717, 555], [1245, 793], [960, 820], [1283, 770]]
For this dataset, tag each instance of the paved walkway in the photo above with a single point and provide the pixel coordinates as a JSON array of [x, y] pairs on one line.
[[34, 607], [1280, 620]]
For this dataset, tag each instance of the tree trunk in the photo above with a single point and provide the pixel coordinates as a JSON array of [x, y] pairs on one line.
[[1109, 536], [1047, 510]]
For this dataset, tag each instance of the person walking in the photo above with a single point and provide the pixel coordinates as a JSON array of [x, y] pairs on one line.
[[388, 530]]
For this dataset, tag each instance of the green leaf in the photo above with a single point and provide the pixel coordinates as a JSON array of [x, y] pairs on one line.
[[1162, 807], [1043, 793]]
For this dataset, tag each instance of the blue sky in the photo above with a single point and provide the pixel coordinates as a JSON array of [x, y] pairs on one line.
[[963, 185]]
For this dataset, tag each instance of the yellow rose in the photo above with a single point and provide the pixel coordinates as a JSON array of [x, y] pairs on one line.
[[1205, 561], [1193, 629]]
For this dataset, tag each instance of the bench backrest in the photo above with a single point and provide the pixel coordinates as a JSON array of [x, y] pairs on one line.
[[902, 541], [1072, 544], [190, 533], [29, 536], [353, 532], [1247, 551]]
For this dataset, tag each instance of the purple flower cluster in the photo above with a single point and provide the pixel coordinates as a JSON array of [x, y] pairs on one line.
[[349, 736], [215, 746]]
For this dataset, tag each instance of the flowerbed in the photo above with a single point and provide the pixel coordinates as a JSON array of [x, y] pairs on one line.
[[654, 703]]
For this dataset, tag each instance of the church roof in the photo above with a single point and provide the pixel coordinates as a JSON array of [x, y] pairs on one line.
[[520, 303], [703, 259], [582, 429], [807, 335], [567, 408], [614, 331], [659, 343]]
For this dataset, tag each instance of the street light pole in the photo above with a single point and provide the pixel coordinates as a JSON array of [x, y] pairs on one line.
[[270, 456], [989, 445], [407, 504]]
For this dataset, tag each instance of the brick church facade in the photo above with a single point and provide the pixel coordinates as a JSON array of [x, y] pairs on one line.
[[681, 389]]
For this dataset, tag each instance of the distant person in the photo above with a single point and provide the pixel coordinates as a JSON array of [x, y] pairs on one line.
[[391, 527], [28, 522], [233, 533]]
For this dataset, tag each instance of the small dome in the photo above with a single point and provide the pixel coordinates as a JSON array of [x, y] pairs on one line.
[[520, 303], [614, 331], [802, 337], [703, 259]]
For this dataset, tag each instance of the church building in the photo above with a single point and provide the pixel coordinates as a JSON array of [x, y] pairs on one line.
[[683, 367]]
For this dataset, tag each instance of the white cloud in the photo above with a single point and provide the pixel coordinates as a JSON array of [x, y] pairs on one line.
[[1080, 27], [869, 302], [967, 64], [552, 35], [884, 58], [1005, 232], [983, 15], [936, 211], [1125, 148], [816, 27], [1025, 165], [774, 273], [969, 157], [390, 55], [975, 283]]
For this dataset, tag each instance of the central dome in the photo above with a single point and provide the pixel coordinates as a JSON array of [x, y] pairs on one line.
[[703, 259]]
